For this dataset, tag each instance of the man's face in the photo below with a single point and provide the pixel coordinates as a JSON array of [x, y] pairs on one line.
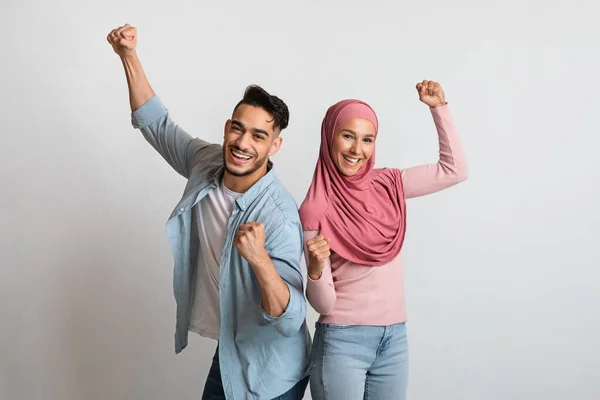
[[249, 141]]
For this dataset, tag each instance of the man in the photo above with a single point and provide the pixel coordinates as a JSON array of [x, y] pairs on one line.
[[236, 240]]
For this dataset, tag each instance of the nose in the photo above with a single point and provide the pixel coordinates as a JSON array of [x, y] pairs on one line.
[[243, 141], [355, 148]]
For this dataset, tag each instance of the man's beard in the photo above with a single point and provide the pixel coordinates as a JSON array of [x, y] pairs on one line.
[[257, 164]]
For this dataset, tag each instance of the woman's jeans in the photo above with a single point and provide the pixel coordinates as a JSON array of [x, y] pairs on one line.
[[353, 362]]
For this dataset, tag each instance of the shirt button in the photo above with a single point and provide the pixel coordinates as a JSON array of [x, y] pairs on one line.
[[182, 209]]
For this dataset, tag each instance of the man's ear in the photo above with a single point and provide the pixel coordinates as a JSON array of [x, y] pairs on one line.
[[226, 127], [275, 146]]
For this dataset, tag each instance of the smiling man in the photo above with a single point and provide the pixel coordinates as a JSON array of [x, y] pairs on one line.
[[236, 239]]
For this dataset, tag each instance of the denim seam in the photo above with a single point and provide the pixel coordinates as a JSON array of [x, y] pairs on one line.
[[321, 378]]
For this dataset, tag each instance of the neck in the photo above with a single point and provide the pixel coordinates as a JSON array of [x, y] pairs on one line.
[[240, 184]]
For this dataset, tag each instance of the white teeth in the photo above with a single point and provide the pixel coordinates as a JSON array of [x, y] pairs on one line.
[[352, 160], [240, 155]]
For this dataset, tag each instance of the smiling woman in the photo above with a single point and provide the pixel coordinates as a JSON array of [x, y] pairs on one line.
[[353, 144], [354, 220]]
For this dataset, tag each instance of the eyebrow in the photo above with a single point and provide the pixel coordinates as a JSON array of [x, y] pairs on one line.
[[243, 127], [370, 135]]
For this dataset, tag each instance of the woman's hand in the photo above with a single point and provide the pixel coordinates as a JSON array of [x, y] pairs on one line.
[[318, 252], [431, 93]]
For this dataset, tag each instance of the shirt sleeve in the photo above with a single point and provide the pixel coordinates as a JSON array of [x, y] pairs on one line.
[[286, 253], [451, 168], [173, 143], [321, 292]]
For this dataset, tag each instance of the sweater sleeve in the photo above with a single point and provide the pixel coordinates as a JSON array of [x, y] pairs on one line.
[[451, 167], [321, 292]]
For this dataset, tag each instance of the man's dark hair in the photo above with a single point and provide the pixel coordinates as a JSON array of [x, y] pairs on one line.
[[259, 97]]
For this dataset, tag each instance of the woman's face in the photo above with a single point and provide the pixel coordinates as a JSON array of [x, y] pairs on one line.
[[353, 145]]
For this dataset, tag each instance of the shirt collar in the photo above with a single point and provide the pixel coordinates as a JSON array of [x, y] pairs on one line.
[[255, 190]]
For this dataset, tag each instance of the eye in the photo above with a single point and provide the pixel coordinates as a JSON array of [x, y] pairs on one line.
[[235, 128], [347, 136], [369, 140], [259, 137]]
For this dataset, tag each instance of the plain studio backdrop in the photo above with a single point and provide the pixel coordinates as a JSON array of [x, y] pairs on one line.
[[501, 271]]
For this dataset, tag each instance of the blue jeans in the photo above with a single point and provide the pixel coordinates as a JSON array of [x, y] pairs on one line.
[[352, 362], [213, 388]]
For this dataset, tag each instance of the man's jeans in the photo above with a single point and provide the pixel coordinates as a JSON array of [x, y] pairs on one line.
[[213, 388]]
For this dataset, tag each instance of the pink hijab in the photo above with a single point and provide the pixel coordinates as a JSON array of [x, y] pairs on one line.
[[364, 215]]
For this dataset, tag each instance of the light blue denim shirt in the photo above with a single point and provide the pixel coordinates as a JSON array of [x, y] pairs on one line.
[[261, 356]]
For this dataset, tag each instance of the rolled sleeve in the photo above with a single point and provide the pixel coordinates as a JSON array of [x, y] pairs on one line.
[[148, 113], [294, 307], [286, 254]]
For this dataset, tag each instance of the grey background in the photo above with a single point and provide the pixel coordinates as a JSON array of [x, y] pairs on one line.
[[501, 271]]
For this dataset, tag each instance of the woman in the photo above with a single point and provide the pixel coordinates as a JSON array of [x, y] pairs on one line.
[[354, 221]]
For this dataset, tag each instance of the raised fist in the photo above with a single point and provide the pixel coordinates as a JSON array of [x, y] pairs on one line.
[[250, 242], [431, 93], [318, 251], [123, 40]]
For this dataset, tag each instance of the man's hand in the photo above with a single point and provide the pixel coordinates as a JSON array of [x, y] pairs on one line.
[[318, 252], [274, 292], [431, 93], [250, 242], [123, 40]]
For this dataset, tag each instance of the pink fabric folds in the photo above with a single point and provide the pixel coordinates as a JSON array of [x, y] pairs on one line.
[[364, 215]]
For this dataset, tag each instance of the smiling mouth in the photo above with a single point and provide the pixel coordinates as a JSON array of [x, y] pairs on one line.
[[240, 157], [350, 160]]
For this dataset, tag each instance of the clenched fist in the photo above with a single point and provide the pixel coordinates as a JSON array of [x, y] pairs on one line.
[[318, 252], [250, 242], [123, 40], [431, 93]]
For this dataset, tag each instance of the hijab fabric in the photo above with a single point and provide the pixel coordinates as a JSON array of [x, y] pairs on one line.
[[363, 215]]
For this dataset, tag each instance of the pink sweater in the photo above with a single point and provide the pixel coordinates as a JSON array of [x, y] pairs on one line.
[[350, 293]]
